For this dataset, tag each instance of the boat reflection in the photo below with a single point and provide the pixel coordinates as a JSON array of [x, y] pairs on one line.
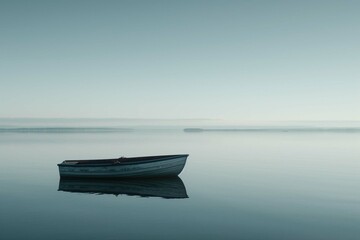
[[147, 187]]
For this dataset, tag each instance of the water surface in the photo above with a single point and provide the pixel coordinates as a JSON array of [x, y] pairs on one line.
[[239, 185]]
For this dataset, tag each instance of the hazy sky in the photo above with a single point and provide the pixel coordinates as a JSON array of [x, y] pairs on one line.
[[247, 60]]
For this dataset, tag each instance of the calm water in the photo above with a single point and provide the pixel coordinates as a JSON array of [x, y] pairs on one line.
[[240, 185]]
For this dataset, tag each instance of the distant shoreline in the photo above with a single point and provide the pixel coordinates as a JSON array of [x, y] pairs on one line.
[[279, 129]]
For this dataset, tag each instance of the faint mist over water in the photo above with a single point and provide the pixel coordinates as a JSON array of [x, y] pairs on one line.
[[116, 125], [235, 185]]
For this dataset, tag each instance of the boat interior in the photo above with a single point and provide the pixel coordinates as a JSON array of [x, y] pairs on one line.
[[120, 160]]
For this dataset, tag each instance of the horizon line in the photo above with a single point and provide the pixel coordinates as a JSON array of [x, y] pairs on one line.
[[171, 119]]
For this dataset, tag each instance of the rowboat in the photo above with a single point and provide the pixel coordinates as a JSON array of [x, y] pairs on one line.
[[169, 188], [124, 167]]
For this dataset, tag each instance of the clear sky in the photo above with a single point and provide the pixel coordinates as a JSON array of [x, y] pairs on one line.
[[247, 60]]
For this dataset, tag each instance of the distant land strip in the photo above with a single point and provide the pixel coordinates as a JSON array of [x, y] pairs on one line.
[[280, 129], [64, 130]]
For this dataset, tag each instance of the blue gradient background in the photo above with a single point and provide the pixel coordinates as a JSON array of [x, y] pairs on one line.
[[248, 60]]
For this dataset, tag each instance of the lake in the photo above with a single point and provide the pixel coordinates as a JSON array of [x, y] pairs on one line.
[[238, 185]]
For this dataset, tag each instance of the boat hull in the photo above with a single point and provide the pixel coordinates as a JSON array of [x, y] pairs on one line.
[[161, 166]]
